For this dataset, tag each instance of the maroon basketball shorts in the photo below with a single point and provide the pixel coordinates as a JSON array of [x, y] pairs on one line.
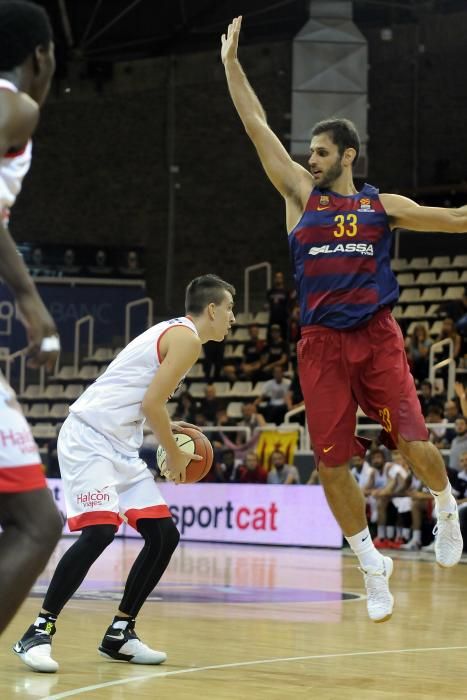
[[366, 367]]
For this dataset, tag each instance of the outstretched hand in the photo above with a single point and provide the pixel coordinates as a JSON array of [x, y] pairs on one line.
[[230, 42]]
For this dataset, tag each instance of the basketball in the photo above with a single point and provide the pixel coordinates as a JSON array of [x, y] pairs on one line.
[[193, 442]]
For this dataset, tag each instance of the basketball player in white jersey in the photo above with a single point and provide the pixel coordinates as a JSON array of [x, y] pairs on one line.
[[105, 481], [29, 519]]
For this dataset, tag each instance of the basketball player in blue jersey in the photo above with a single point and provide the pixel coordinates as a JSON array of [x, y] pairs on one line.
[[29, 519], [352, 350]]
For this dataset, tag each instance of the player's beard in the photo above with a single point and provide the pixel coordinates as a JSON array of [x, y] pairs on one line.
[[334, 172]]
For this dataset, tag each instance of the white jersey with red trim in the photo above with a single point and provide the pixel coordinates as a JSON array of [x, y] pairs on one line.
[[112, 404], [13, 168]]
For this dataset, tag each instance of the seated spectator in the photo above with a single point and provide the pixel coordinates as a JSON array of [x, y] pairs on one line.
[[226, 470], [426, 395], [186, 408], [295, 398], [132, 267], [448, 330], [222, 419], [462, 396], [275, 392], [210, 405], [459, 444], [252, 472], [393, 478], [418, 348], [213, 360], [280, 472], [100, 268], [250, 419], [253, 350], [437, 434], [278, 299], [275, 353], [69, 268], [362, 472], [421, 505], [455, 309], [451, 413]]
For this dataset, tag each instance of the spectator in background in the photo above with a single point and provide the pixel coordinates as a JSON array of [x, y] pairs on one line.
[[454, 309], [426, 395], [251, 471], [462, 396], [252, 353], [210, 405], [278, 300], [69, 268], [451, 413], [132, 267], [250, 419], [418, 348], [437, 433], [280, 472], [448, 330], [101, 268], [213, 360], [36, 266], [362, 472], [223, 420], [275, 393], [460, 487], [186, 407], [226, 470], [275, 352], [459, 444]]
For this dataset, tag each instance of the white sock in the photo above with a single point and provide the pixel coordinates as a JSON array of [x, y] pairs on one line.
[[399, 533], [381, 532], [363, 547], [417, 536], [406, 533], [390, 529], [445, 500]]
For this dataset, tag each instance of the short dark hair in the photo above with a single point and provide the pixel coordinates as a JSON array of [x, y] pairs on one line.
[[344, 133], [204, 290], [23, 27]]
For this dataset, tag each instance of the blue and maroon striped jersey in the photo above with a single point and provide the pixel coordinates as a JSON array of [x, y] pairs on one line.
[[340, 251]]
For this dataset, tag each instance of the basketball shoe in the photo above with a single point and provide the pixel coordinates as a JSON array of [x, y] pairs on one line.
[[379, 600], [35, 647], [448, 538], [121, 643]]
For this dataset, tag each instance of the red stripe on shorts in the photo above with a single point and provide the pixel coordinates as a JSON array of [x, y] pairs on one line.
[[19, 479], [343, 296], [97, 517], [134, 514], [340, 266]]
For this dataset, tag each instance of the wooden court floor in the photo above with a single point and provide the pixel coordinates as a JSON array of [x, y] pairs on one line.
[[256, 623]]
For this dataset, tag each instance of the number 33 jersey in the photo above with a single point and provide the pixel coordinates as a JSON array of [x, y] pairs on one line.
[[340, 251]]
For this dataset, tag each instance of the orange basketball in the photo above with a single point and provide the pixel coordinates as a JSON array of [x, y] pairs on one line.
[[193, 442]]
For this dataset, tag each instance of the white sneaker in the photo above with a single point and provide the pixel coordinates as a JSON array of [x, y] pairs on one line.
[[121, 643], [35, 650], [448, 539], [379, 601], [429, 547]]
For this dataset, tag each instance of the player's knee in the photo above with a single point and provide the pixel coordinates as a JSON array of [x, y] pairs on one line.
[[172, 535], [160, 533], [98, 536]]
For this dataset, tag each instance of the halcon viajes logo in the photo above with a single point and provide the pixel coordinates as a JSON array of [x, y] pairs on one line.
[[91, 499]]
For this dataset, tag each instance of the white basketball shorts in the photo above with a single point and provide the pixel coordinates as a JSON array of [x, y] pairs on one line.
[[20, 463], [103, 486]]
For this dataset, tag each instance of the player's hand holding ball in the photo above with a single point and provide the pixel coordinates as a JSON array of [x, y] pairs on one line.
[[190, 461]]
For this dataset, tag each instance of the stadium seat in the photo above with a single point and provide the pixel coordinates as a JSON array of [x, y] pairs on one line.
[[460, 261], [414, 311], [234, 409], [239, 351], [222, 388], [242, 388], [399, 264], [412, 325], [432, 294], [441, 262], [33, 391], [59, 411], [409, 295], [241, 334], [66, 373], [463, 278], [419, 263], [406, 279], [398, 312], [436, 328], [424, 278], [54, 391], [433, 310], [44, 431], [89, 372], [197, 389], [243, 318], [453, 293], [448, 277], [196, 372], [171, 407], [73, 391], [39, 410], [262, 318]]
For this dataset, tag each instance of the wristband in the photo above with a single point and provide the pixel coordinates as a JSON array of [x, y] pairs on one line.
[[50, 344]]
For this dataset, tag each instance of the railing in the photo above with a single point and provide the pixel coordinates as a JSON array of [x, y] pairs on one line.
[[22, 354], [246, 284], [132, 305], [449, 361], [78, 325]]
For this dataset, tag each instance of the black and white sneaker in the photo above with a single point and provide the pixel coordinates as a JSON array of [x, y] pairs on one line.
[[121, 643], [35, 648]]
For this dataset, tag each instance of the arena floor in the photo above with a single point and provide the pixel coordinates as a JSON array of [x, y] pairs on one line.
[[256, 623]]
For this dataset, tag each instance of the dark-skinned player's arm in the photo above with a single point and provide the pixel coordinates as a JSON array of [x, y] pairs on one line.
[[405, 213], [285, 174], [18, 119], [179, 348]]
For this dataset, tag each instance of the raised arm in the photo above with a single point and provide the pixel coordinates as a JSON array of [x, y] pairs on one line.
[[288, 177], [405, 213]]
